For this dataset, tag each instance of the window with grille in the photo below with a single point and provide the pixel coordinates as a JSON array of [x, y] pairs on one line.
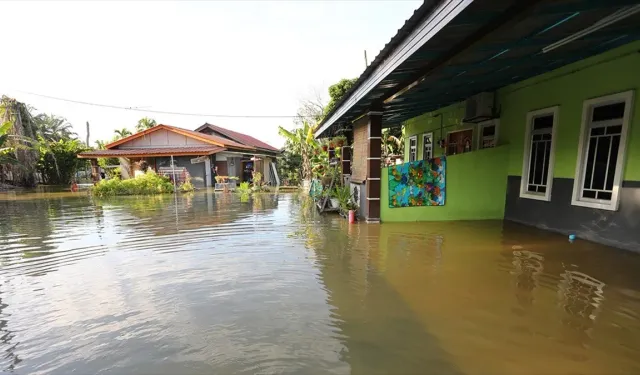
[[601, 151], [488, 137], [413, 148], [427, 146], [538, 157]]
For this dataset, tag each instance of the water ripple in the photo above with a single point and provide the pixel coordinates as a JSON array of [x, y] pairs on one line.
[[205, 283]]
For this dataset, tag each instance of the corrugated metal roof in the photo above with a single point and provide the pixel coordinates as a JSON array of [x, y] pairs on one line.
[[488, 45], [239, 137], [150, 152]]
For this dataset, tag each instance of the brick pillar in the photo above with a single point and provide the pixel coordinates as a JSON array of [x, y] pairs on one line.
[[374, 154]]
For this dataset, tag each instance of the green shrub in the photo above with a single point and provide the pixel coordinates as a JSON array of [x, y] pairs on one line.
[[187, 186], [244, 188], [146, 184]]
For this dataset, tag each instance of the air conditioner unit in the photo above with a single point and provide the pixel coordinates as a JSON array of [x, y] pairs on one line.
[[479, 108]]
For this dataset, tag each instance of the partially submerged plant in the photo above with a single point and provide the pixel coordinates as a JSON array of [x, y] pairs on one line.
[[146, 184]]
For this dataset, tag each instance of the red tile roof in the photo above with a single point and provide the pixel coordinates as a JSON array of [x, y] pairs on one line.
[[152, 152], [239, 137]]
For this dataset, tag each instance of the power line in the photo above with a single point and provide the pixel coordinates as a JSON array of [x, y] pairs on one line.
[[139, 109]]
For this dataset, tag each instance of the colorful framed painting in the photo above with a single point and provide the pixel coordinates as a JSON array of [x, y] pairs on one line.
[[418, 183]]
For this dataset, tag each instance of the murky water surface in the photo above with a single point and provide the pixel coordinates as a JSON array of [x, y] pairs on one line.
[[207, 284]]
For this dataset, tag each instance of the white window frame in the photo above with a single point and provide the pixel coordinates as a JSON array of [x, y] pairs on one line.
[[424, 143], [496, 136], [413, 150], [578, 183], [526, 155]]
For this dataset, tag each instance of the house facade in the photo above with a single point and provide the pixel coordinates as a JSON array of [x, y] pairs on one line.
[[181, 153], [535, 111]]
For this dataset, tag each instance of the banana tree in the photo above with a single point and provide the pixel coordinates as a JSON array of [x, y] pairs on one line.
[[302, 141]]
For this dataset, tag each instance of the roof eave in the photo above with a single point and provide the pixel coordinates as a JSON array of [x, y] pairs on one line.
[[425, 22]]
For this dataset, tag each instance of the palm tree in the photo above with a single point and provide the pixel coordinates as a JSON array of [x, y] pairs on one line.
[[100, 145], [145, 123], [54, 128], [303, 142], [122, 133]]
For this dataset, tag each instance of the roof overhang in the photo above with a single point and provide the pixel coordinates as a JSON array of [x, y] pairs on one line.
[[151, 152], [462, 47]]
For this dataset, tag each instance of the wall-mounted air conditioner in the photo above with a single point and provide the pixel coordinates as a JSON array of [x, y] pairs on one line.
[[479, 108]]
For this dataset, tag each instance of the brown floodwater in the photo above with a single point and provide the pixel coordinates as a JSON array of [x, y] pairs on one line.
[[208, 284]]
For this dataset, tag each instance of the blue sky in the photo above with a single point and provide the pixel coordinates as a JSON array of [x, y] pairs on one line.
[[216, 57]]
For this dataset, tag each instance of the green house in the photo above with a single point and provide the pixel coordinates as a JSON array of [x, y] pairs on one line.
[[534, 105]]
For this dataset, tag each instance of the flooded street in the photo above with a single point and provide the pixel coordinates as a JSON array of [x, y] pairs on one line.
[[207, 284]]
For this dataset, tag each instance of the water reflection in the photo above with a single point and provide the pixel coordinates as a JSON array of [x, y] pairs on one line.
[[208, 283]]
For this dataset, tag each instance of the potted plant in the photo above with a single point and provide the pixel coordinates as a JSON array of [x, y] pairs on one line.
[[340, 140], [325, 147], [342, 195]]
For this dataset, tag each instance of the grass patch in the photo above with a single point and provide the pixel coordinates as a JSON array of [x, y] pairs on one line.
[[147, 184]]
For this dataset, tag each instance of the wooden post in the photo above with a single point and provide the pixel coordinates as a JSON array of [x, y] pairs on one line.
[[95, 170]]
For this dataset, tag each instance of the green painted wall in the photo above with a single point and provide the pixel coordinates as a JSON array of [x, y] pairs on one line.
[[476, 182], [568, 87], [430, 122], [476, 189]]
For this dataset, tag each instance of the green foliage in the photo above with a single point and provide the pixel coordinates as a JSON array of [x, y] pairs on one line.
[[301, 141], [4, 135], [53, 128], [244, 188], [187, 187], [122, 133], [59, 161], [145, 184], [145, 123], [258, 184], [343, 195], [337, 91], [289, 166]]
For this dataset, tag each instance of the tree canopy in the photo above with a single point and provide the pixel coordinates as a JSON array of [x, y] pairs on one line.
[[337, 91], [145, 123]]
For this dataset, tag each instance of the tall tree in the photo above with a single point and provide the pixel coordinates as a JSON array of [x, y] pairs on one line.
[[337, 91], [122, 133], [54, 128], [145, 123], [21, 137]]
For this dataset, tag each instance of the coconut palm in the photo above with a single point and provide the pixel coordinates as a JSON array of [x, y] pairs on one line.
[[122, 133], [145, 123], [54, 128], [303, 142]]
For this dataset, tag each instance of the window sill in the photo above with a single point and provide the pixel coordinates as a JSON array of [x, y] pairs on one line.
[[600, 206], [544, 198]]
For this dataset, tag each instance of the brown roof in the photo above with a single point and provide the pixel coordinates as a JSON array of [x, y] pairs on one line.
[[239, 137], [211, 139], [152, 152]]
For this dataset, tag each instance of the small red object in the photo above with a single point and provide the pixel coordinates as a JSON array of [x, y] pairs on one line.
[[352, 216]]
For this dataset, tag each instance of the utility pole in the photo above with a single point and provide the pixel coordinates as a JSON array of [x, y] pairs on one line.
[[88, 134], [366, 63]]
